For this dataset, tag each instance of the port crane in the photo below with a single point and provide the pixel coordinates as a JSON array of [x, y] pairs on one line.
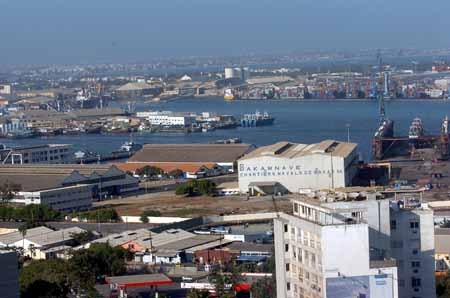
[[380, 95]]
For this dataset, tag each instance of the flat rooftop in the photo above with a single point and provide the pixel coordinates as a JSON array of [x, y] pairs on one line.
[[289, 150]]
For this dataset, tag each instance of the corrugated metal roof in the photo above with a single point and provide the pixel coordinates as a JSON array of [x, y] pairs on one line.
[[186, 153], [293, 150], [9, 238]]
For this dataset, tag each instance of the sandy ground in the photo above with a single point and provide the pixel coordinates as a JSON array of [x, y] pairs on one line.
[[171, 205]]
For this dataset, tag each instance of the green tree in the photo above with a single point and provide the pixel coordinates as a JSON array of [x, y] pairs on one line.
[[149, 171], [177, 173], [8, 190], [443, 286], [194, 293], [100, 215], [82, 237], [144, 218], [100, 260], [184, 189], [196, 187], [146, 213], [44, 279], [264, 288]]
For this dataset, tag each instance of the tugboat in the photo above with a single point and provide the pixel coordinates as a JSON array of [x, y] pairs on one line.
[[257, 119], [128, 147]]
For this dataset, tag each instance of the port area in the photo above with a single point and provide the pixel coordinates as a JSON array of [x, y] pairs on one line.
[[419, 175]]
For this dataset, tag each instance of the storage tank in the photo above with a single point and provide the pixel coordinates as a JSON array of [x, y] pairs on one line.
[[229, 73]]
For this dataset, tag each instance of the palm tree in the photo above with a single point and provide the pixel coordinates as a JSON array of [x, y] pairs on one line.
[[23, 231]]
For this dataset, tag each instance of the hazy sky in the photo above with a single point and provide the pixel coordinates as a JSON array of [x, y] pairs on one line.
[[80, 31]]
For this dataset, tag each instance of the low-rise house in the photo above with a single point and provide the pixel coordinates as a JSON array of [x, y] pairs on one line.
[[41, 243], [168, 247], [175, 155]]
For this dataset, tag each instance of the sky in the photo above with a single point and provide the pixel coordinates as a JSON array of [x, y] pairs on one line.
[[97, 31]]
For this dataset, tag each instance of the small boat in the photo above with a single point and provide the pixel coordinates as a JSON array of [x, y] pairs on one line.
[[128, 147], [220, 230], [229, 95], [202, 232]]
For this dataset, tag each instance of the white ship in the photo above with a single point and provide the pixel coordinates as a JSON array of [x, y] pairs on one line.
[[416, 129]]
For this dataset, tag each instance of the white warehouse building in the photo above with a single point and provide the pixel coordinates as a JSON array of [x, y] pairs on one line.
[[289, 167], [166, 118]]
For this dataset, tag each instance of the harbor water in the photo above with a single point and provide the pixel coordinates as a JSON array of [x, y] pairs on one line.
[[296, 121]]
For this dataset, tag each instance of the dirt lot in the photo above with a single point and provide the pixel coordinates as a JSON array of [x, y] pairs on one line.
[[171, 205]]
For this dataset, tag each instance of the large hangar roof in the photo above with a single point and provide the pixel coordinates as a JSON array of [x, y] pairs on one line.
[[294, 150], [201, 153]]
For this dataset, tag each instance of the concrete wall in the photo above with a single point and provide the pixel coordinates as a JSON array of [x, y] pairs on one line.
[[240, 217], [153, 219], [378, 218], [312, 171], [345, 249]]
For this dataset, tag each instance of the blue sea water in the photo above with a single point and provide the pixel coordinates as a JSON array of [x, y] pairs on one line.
[[296, 121]]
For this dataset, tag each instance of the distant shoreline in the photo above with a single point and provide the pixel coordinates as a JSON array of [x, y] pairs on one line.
[[321, 100]]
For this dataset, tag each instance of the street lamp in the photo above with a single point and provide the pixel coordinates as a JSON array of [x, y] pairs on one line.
[[348, 132]]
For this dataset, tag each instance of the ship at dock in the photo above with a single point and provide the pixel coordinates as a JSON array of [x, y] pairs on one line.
[[416, 131], [229, 94], [257, 119], [387, 145]]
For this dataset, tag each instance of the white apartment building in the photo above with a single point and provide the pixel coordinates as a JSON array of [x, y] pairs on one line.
[[324, 252], [385, 247], [295, 167], [412, 245]]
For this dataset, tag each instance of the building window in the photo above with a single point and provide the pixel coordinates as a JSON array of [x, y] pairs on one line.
[[393, 224], [285, 228], [415, 251], [295, 207], [286, 247], [288, 286], [415, 264], [357, 214], [415, 282], [287, 267], [414, 225]]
